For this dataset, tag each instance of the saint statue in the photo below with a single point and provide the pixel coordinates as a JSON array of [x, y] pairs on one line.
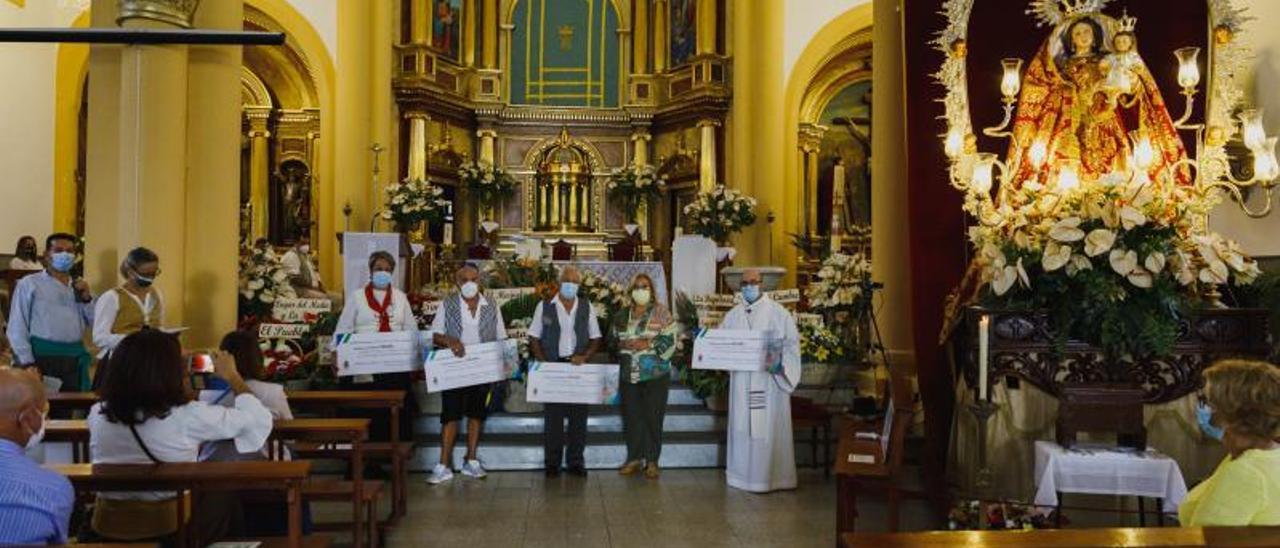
[[1085, 100]]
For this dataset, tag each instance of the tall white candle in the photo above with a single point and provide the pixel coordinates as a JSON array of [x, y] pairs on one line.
[[984, 328]]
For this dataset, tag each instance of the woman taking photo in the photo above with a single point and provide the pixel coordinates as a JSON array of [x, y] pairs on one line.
[[130, 307], [244, 350], [644, 337], [1244, 402], [147, 413]]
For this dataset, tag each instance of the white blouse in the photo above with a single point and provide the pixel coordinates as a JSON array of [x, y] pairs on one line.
[[358, 317], [177, 437]]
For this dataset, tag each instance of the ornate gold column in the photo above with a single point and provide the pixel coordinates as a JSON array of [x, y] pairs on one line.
[[640, 140], [420, 21], [259, 170], [707, 154], [640, 38], [661, 13], [489, 35], [706, 41], [469, 33], [417, 144], [810, 141], [488, 141]]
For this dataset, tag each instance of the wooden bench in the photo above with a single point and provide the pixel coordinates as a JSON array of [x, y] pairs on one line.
[[397, 451], [197, 477], [1189, 537]]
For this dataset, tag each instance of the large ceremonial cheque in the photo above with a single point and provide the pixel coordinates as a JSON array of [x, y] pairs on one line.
[[736, 349], [482, 364], [559, 382], [373, 353]]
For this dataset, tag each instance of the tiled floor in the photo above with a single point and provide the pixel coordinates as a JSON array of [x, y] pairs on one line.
[[683, 508]]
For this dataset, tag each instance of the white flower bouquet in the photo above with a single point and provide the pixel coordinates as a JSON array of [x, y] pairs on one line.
[[488, 183], [262, 281], [632, 186], [414, 201], [608, 296], [720, 213]]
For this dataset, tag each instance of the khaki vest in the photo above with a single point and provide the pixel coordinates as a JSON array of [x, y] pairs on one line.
[[130, 318]]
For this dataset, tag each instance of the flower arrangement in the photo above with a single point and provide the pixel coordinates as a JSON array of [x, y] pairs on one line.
[[488, 183], [609, 297], [414, 201], [262, 280], [283, 362], [843, 284], [521, 272], [1115, 260], [632, 186], [719, 213], [974, 514], [705, 383], [818, 344]]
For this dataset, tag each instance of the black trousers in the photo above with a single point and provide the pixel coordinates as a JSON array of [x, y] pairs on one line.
[[554, 415], [65, 369]]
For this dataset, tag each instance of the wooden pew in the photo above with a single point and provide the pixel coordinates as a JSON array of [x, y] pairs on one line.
[[1190, 537], [397, 451], [197, 477]]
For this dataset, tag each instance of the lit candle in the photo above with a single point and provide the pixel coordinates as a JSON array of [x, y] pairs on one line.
[[982, 168], [1188, 67], [1265, 167], [448, 234], [1143, 153], [954, 146], [984, 328], [1011, 83], [1039, 153], [1068, 178], [1251, 130]]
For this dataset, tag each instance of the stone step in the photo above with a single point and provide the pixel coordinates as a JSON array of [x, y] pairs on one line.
[[679, 418]]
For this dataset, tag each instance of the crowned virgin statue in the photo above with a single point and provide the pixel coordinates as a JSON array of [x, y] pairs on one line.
[[1087, 98]]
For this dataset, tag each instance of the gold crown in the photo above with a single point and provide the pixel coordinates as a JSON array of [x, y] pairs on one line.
[[1127, 23], [1054, 12], [1074, 8]]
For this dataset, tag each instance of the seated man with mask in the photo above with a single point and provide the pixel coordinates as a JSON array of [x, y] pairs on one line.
[[35, 504]]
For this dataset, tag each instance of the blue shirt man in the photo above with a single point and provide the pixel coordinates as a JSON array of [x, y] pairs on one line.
[[35, 504], [49, 314]]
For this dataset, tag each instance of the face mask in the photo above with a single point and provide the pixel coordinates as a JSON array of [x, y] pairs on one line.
[[381, 279], [569, 290], [37, 437], [304, 249], [143, 281], [28, 252], [469, 290], [751, 293], [1204, 416], [641, 296], [62, 261]]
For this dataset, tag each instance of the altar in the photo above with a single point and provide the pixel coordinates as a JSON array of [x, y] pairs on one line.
[[620, 273]]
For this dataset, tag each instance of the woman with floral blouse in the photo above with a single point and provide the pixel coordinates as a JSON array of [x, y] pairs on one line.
[[644, 338]]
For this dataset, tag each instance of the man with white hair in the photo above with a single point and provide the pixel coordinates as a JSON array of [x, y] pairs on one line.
[[761, 454]]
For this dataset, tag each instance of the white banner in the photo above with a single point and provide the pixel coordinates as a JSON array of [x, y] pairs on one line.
[[481, 364], [736, 350], [282, 330], [784, 296], [805, 318], [559, 382], [372, 353], [297, 310], [503, 296]]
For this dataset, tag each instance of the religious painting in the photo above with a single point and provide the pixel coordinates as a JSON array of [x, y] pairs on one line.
[[684, 31], [848, 141], [565, 54], [446, 24]]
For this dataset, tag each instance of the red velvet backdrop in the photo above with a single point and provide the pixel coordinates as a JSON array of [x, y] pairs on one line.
[[939, 249]]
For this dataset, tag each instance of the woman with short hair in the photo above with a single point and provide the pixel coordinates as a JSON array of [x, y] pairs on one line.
[[1244, 399], [147, 413]]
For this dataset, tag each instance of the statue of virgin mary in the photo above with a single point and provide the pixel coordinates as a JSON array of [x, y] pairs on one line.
[[1082, 102]]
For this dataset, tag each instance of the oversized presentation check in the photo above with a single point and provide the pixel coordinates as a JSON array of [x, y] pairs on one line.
[[373, 353], [480, 364], [559, 382], [736, 349]]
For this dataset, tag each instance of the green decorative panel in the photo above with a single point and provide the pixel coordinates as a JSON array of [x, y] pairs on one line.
[[565, 53]]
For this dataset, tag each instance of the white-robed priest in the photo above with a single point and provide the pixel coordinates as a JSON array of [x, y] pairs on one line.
[[761, 452]]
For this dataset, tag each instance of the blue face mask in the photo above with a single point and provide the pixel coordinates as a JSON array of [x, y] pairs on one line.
[[62, 261], [1204, 416], [751, 293], [569, 290], [381, 279]]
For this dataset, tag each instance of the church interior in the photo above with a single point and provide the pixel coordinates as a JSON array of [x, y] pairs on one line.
[[1061, 255]]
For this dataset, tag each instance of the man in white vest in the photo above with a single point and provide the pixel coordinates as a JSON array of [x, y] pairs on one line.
[[761, 452], [464, 318]]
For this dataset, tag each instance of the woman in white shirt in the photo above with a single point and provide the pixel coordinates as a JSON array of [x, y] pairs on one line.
[[243, 347], [25, 256], [130, 307], [380, 307], [147, 413]]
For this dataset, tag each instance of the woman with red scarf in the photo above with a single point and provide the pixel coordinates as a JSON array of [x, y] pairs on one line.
[[379, 308]]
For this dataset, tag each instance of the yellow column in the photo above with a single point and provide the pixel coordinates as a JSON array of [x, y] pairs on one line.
[[640, 37], [640, 140], [420, 21], [809, 159], [706, 42], [661, 13], [489, 34], [417, 144], [890, 245], [707, 155], [352, 121], [213, 142], [102, 189], [488, 140], [469, 33], [384, 109], [259, 170]]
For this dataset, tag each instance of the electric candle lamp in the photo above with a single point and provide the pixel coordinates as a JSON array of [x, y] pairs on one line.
[[982, 172], [1188, 67], [1011, 83]]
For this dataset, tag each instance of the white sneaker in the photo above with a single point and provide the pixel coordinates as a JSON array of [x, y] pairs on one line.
[[473, 469], [440, 474]]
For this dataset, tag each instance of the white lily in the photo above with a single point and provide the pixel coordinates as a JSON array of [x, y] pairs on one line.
[[1123, 261], [1215, 273], [1140, 277], [1131, 217], [1067, 230], [1055, 256], [1155, 262], [1099, 241], [1079, 263]]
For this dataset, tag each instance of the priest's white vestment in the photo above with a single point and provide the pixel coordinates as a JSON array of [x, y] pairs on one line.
[[761, 451]]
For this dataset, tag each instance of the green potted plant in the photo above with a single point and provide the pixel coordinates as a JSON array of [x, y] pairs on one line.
[[710, 385]]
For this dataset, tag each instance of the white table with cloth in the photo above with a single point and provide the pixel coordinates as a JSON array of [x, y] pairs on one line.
[[617, 272], [1106, 471]]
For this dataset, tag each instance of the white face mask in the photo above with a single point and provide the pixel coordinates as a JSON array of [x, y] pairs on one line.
[[304, 249], [469, 290], [641, 296], [38, 437]]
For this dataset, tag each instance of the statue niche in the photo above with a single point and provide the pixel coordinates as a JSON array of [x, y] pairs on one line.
[[563, 193], [290, 202]]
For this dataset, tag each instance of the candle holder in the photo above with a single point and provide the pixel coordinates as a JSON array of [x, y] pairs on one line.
[[982, 410]]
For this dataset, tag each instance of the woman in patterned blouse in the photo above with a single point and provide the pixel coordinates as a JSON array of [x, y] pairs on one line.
[[644, 338]]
